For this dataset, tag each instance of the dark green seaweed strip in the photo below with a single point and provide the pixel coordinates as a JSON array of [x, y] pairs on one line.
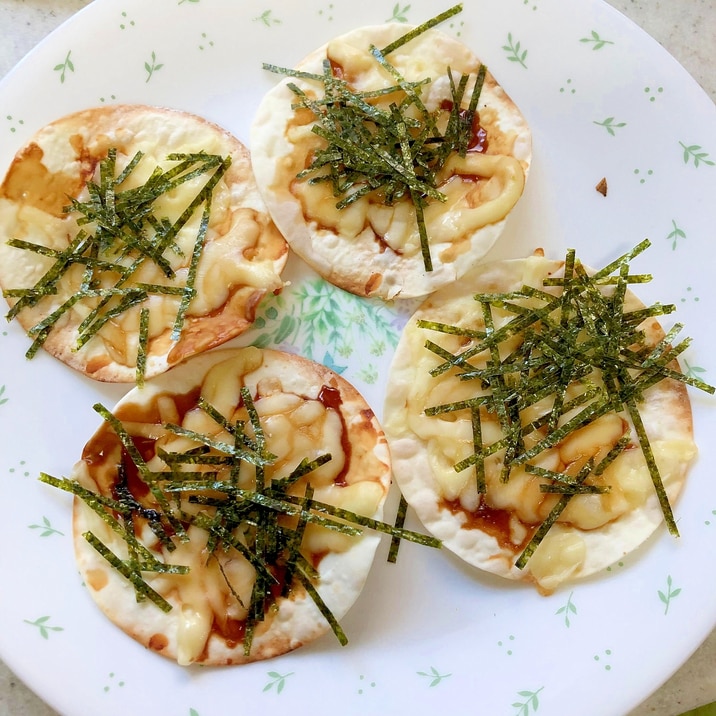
[[554, 514], [398, 524], [136, 457], [420, 29], [370, 523], [46, 284], [189, 290], [308, 585], [142, 346], [478, 449], [132, 297], [251, 456], [140, 586], [105, 507], [653, 468]]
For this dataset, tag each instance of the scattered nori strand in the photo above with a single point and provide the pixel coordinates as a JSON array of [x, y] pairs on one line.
[[478, 449], [189, 290], [420, 29], [555, 512], [257, 516], [142, 589], [248, 455], [565, 483], [105, 508], [621, 445], [131, 298], [356, 519], [399, 524], [295, 539], [566, 337], [46, 285], [390, 150], [645, 446], [305, 580], [145, 473], [459, 405], [123, 220], [142, 346]]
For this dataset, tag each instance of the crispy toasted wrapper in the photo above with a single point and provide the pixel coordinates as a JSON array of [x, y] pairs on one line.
[[368, 248], [242, 257], [491, 530], [207, 621]]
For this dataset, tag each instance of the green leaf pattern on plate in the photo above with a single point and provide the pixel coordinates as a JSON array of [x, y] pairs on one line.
[[64, 66], [330, 325], [568, 610], [152, 67], [434, 675], [610, 125], [267, 18], [675, 234], [595, 40], [529, 705], [43, 626], [514, 51], [277, 681], [668, 594], [694, 153], [400, 13], [693, 371], [46, 528]]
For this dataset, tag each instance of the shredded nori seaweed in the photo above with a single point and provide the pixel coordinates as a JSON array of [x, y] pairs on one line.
[[265, 524], [575, 345], [393, 151], [120, 231]]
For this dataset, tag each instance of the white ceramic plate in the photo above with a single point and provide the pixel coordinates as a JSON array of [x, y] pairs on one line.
[[428, 634]]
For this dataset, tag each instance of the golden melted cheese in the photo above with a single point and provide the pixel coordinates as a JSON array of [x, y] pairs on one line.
[[243, 252], [520, 506], [501, 177], [368, 247], [297, 424]]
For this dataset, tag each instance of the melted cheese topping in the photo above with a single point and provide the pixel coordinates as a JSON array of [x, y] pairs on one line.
[[241, 247], [297, 425], [371, 248], [485, 187], [447, 439]]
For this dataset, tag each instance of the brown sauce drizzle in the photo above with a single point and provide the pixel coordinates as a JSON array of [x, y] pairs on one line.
[[332, 400], [336, 69], [106, 446], [478, 134], [232, 631], [491, 521]]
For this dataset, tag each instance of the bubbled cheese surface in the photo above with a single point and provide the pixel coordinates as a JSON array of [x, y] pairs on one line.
[[491, 530], [297, 424], [242, 258]]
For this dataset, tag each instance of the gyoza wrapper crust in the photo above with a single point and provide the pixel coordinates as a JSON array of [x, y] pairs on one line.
[[362, 265], [666, 414], [294, 620], [243, 254]]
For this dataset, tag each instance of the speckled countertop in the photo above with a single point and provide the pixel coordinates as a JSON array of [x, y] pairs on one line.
[[687, 29]]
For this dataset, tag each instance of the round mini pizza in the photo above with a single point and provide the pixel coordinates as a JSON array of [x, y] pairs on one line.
[[537, 419], [390, 159], [132, 237], [217, 511]]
